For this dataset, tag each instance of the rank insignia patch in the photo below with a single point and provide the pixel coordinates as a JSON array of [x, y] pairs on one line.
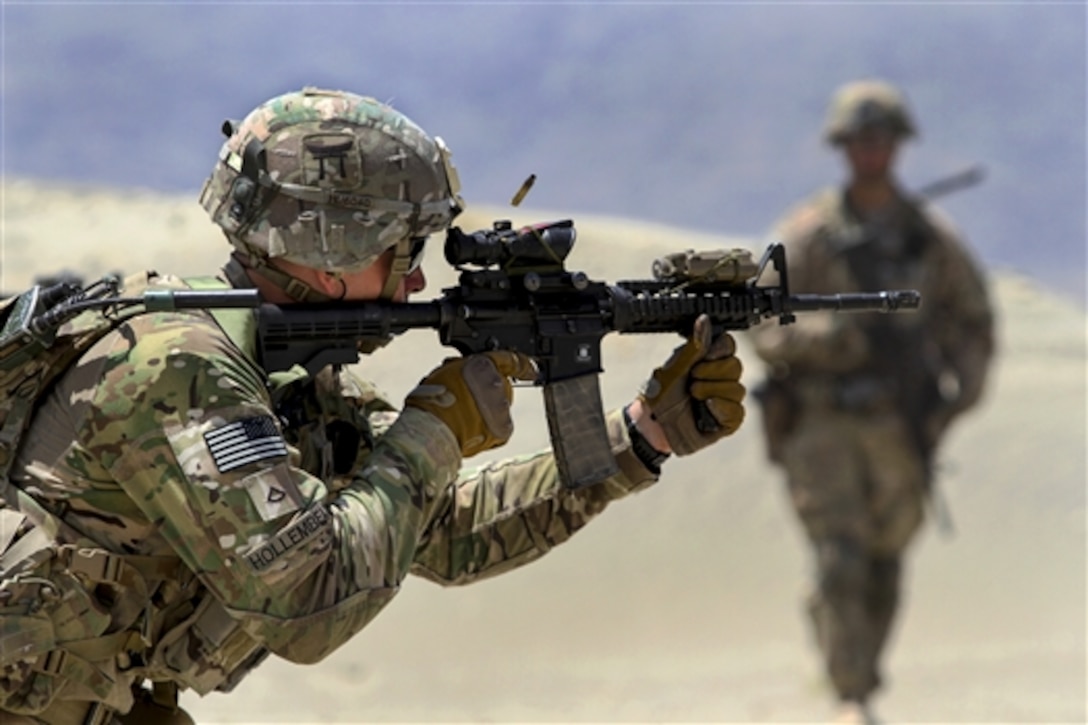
[[245, 441]]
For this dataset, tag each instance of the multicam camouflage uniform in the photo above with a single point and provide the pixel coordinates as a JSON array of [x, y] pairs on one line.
[[856, 404], [200, 514], [253, 515], [170, 514]]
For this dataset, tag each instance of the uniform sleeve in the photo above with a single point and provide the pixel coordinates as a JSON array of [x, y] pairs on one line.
[[507, 514], [183, 422]]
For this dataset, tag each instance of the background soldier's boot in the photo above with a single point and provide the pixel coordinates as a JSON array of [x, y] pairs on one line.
[[854, 712]]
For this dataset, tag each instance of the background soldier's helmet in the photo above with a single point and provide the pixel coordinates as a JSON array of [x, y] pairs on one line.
[[866, 104], [329, 180]]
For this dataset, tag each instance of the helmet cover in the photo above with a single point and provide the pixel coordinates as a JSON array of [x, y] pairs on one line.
[[329, 180]]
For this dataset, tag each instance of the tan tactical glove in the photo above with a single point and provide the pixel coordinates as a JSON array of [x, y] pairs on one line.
[[696, 396], [472, 395]]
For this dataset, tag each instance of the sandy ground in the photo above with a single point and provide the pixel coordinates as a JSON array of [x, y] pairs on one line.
[[683, 603]]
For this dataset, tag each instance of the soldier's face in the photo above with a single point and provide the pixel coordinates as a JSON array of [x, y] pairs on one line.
[[871, 153]]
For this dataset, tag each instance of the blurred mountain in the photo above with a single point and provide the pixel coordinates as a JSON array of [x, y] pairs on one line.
[[704, 116]]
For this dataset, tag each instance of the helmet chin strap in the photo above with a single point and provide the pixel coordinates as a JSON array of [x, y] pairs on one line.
[[239, 264], [402, 262]]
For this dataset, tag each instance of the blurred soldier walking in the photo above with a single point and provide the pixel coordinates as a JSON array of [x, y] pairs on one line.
[[854, 406]]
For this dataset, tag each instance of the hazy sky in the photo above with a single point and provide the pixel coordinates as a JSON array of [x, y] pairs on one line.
[[704, 115]]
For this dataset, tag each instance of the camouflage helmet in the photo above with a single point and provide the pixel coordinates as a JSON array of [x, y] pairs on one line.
[[864, 104], [329, 180]]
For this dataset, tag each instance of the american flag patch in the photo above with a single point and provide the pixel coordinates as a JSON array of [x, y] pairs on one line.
[[245, 441]]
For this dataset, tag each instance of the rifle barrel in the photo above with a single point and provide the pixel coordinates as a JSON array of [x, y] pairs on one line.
[[886, 301], [935, 189]]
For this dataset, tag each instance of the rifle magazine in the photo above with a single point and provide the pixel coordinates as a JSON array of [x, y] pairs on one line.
[[578, 432]]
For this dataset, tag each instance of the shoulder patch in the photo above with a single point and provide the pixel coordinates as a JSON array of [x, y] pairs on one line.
[[273, 493], [245, 441]]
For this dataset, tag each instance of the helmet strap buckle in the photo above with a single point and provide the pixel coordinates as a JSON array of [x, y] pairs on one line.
[[399, 268]]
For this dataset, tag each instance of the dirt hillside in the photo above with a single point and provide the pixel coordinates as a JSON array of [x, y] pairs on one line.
[[682, 603]]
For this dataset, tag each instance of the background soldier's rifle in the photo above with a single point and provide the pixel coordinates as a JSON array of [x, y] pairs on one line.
[[514, 293], [954, 182]]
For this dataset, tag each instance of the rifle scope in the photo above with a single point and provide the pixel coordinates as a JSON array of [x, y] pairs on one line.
[[547, 243]]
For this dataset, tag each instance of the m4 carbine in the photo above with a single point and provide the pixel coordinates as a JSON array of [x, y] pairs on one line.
[[515, 293]]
